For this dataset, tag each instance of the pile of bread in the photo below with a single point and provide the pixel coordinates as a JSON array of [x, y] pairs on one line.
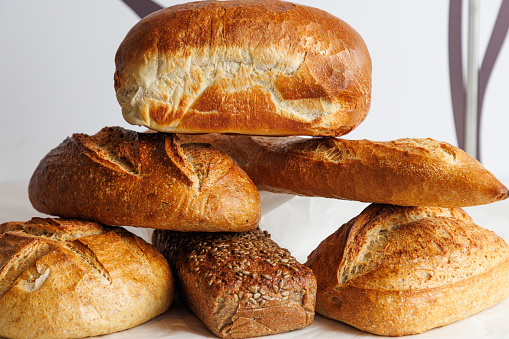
[[242, 96]]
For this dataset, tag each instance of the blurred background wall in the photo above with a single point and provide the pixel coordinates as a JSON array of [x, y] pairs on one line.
[[57, 64]]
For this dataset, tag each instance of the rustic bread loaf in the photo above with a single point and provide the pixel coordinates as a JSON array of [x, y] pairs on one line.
[[403, 270], [240, 284], [71, 279], [121, 177], [244, 66], [405, 172]]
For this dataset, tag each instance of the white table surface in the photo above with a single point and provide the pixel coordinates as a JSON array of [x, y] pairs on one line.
[[298, 224]]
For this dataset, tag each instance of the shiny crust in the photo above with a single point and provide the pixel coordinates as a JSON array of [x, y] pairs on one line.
[[240, 285], [403, 270], [121, 177], [72, 278], [244, 66], [405, 172]]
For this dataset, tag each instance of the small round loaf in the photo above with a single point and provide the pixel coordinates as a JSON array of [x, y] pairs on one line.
[[125, 178], [243, 66], [64, 278]]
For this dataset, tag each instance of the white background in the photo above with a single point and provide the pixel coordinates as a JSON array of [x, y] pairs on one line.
[[56, 78], [57, 65]]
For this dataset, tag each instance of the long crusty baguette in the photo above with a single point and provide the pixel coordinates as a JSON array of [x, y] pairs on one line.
[[121, 177], [72, 278], [240, 284], [403, 270], [406, 172], [263, 67]]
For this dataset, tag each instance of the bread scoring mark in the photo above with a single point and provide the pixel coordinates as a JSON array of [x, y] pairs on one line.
[[372, 237], [131, 242], [87, 256], [180, 159], [424, 147], [113, 147], [326, 149], [23, 244], [411, 248], [36, 278], [16, 256]]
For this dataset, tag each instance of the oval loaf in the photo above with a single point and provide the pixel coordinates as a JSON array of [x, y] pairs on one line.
[[244, 66], [121, 177]]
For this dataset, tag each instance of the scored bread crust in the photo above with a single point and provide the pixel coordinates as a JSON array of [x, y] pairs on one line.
[[405, 172], [240, 285], [73, 278], [244, 66], [397, 271], [121, 177]]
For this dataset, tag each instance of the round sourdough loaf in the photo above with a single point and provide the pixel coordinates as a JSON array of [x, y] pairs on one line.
[[244, 66], [71, 279], [125, 178]]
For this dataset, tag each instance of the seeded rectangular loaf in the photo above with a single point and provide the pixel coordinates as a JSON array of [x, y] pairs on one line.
[[124, 178], [240, 285], [403, 270], [405, 172]]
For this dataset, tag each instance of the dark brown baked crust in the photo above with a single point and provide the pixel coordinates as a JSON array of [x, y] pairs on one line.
[[403, 270], [405, 172], [72, 278], [244, 66], [240, 284], [121, 177]]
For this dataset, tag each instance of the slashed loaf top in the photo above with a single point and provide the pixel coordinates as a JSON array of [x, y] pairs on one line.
[[64, 278], [125, 178], [406, 248]]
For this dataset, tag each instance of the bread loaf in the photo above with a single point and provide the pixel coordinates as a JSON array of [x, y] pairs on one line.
[[121, 177], [240, 284], [71, 279], [403, 270], [405, 172], [244, 66]]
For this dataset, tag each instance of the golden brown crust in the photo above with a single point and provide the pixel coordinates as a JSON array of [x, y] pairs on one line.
[[403, 270], [405, 172], [240, 284], [243, 66], [121, 177], [72, 278]]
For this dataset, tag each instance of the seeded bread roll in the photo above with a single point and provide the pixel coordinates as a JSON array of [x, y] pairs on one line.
[[121, 177], [403, 270], [71, 279], [262, 67], [240, 284], [405, 172]]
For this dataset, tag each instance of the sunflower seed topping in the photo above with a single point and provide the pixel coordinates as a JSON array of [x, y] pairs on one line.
[[249, 264]]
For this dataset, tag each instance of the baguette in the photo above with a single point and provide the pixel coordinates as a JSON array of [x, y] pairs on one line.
[[263, 67], [240, 285], [403, 270], [72, 278], [405, 172], [121, 177]]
